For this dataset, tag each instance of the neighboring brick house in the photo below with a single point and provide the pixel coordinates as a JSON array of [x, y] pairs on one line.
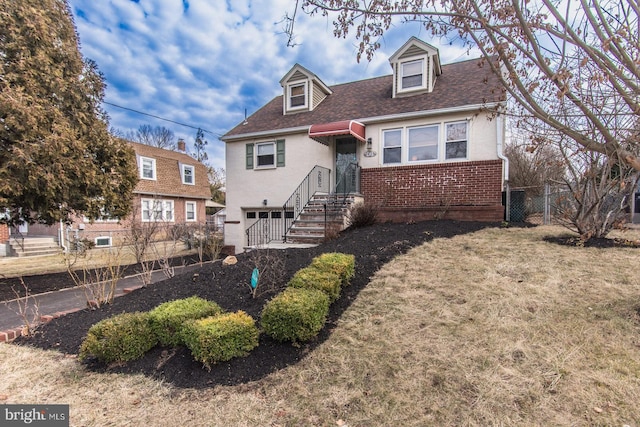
[[173, 188], [424, 142]]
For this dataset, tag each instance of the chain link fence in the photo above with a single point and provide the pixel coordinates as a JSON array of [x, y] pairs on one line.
[[535, 204]]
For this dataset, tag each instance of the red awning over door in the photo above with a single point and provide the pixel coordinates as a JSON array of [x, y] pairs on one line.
[[322, 132]]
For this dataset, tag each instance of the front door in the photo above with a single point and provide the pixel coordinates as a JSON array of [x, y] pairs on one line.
[[346, 165]]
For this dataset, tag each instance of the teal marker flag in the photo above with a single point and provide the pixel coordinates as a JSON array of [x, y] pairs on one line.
[[254, 278]]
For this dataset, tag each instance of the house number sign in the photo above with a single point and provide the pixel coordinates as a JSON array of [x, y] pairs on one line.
[[370, 154]]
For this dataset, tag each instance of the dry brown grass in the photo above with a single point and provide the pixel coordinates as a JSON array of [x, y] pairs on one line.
[[16, 267], [493, 328]]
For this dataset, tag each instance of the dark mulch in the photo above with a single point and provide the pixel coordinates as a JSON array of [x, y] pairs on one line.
[[229, 286], [601, 242]]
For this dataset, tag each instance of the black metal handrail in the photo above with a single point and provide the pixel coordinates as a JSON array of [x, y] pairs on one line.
[[316, 181], [264, 231]]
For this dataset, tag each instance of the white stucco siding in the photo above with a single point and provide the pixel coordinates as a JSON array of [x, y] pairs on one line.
[[248, 188], [481, 138]]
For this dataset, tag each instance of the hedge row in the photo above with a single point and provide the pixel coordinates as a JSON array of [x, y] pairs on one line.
[[211, 335], [296, 314], [300, 311]]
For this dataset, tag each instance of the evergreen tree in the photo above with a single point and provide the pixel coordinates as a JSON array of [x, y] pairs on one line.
[[56, 154]]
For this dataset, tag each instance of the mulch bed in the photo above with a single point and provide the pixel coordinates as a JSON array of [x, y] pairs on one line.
[[229, 287]]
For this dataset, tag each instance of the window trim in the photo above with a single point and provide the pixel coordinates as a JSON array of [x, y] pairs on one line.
[[466, 140], [95, 241], [186, 211], [153, 168], [423, 85], [274, 155], [437, 144], [384, 147], [154, 210], [183, 169], [305, 88], [405, 158]]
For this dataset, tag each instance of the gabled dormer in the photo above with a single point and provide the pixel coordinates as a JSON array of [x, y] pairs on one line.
[[302, 90], [416, 65]]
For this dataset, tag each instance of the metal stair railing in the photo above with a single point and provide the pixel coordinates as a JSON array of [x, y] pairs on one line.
[[316, 181]]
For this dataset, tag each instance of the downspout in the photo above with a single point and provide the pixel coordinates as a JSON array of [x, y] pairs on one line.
[[61, 241], [501, 130]]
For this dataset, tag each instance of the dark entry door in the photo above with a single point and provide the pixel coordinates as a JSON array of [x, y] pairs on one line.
[[346, 165]]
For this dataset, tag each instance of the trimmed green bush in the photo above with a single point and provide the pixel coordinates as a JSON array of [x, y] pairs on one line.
[[221, 338], [314, 278], [344, 265], [295, 314], [168, 318], [119, 338]]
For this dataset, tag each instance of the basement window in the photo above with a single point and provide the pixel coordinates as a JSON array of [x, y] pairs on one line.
[[103, 241]]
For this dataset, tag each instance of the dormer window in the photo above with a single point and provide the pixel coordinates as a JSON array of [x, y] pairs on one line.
[[416, 65], [147, 168], [298, 95], [412, 74], [188, 174]]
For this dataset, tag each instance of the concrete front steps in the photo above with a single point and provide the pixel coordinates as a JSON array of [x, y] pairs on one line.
[[33, 246], [313, 225]]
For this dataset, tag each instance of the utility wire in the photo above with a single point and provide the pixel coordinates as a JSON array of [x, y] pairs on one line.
[[161, 118]]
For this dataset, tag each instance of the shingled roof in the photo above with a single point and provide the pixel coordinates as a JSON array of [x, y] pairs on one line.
[[169, 178], [461, 84]]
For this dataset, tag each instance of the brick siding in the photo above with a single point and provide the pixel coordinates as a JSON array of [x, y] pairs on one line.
[[4, 233], [462, 190]]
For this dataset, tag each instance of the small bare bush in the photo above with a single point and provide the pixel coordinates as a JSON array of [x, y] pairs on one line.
[[362, 215], [98, 283], [271, 271]]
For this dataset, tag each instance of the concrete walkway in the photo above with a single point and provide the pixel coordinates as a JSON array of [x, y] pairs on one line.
[[42, 308]]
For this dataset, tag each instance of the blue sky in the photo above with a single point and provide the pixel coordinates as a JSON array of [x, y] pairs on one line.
[[203, 62]]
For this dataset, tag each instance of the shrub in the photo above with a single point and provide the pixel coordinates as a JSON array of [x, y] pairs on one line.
[[295, 314], [220, 338], [119, 338], [344, 265], [314, 278], [168, 318], [362, 215]]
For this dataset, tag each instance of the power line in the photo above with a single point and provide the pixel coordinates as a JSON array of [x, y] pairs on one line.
[[162, 118]]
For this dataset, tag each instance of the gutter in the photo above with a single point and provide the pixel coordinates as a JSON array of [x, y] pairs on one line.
[[365, 121]]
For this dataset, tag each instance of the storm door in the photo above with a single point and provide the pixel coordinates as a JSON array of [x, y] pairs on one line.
[[346, 166]]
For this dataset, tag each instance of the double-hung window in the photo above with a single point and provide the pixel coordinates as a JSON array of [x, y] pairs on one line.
[[188, 174], [412, 74], [157, 210], [423, 143], [147, 168], [456, 140], [298, 95], [190, 211], [266, 154], [392, 146]]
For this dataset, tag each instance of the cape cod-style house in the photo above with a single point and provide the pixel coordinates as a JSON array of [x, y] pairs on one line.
[[422, 143]]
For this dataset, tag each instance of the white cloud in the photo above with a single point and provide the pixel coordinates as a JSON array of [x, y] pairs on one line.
[[203, 62]]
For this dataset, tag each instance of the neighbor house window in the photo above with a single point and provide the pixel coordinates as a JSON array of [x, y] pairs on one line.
[[157, 210], [147, 168], [412, 74], [456, 140], [266, 154], [190, 211], [423, 143], [188, 174], [251, 215], [298, 95], [392, 146], [103, 241]]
